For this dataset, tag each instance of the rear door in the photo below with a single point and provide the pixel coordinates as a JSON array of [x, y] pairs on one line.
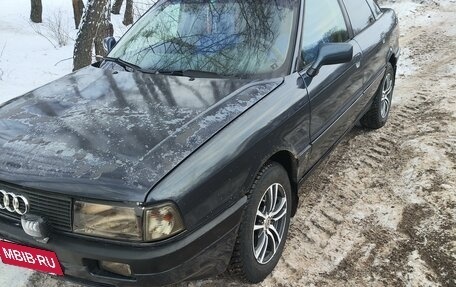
[[370, 33], [336, 87]]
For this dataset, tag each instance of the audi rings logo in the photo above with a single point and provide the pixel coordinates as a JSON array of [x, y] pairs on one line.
[[13, 203]]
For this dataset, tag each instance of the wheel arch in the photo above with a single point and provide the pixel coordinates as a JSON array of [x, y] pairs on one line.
[[289, 161], [393, 60]]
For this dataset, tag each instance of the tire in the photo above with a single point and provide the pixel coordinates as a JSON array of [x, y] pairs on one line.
[[377, 116], [270, 234]]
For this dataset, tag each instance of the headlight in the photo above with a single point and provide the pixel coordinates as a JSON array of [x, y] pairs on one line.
[[106, 221], [127, 223]]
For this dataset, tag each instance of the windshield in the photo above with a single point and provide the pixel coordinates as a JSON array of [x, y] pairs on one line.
[[226, 37]]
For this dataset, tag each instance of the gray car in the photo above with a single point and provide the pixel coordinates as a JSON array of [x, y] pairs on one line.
[[181, 154]]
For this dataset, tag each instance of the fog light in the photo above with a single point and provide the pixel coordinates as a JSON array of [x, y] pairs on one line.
[[35, 226], [116, 268]]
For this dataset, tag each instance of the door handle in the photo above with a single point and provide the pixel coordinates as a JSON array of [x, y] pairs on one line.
[[357, 59]]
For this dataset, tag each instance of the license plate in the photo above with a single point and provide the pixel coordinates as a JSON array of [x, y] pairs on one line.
[[30, 258]]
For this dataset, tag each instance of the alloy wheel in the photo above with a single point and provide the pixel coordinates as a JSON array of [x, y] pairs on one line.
[[270, 223], [386, 95]]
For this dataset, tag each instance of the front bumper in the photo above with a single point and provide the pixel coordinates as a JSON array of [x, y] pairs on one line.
[[202, 253]]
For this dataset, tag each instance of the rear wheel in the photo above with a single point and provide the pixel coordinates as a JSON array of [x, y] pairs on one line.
[[264, 226], [377, 116]]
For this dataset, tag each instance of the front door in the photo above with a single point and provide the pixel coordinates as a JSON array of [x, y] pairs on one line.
[[336, 87]]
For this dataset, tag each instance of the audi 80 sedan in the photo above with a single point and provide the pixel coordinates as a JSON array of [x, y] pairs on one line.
[[180, 155]]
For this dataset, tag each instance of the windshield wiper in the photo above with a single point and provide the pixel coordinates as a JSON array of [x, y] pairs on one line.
[[193, 73], [124, 64], [186, 73]]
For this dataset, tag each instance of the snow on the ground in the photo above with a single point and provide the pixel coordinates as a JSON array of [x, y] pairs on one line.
[[13, 276], [29, 60]]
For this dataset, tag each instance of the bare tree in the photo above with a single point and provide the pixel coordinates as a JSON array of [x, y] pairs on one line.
[[94, 25], [105, 29], [78, 9], [54, 29], [36, 12], [116, 7], [128, 16]]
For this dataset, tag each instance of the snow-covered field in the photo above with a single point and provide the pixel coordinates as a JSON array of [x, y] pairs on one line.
[[29, 60]]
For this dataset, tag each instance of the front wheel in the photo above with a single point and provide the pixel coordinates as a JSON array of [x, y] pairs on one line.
[[377, 115], [264, 227]]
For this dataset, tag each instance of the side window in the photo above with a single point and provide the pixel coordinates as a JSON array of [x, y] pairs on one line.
[[360, 14], [323, 23]]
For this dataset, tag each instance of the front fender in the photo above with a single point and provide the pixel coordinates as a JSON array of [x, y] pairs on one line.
[[221, 172]]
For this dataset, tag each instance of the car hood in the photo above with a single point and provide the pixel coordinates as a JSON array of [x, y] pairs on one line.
[[113, 135]]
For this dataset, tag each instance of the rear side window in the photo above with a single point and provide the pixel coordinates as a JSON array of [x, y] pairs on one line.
[[360, 14], [323, 23]]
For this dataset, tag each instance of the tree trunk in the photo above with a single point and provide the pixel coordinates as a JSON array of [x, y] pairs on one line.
[[128, 16], [93, 21], [116, 7], [36, 11], [105, 29], [78, 9]]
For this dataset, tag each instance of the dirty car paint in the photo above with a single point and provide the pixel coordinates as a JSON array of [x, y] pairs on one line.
[[101, 131]]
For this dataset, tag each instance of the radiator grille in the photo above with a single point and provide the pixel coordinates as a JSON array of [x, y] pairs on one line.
[[56, 209]]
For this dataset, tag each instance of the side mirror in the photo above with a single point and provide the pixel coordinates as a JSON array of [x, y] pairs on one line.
[[331, 54], [109, 43]]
